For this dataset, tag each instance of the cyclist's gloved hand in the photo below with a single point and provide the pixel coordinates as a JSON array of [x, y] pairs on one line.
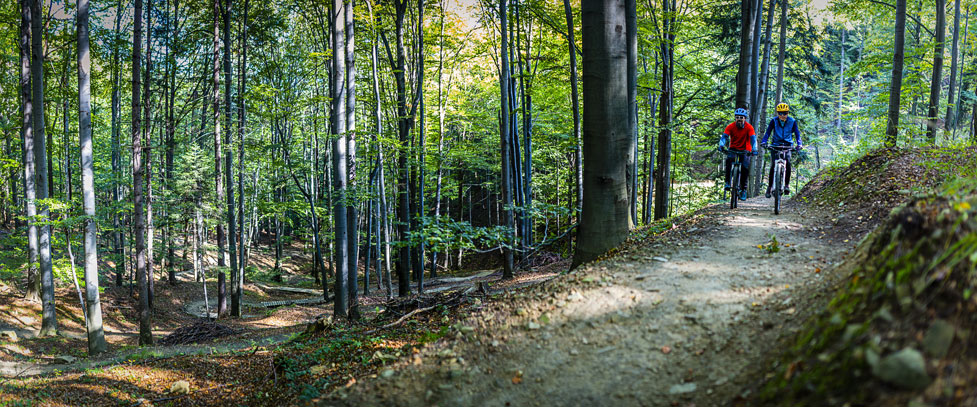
[[755, 152], [765, 146], [800, 147]]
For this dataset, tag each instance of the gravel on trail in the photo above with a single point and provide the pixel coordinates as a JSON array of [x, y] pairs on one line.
[[693, 316]]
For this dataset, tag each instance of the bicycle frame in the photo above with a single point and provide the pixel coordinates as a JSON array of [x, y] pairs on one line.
[[781, 155], [734, 176]]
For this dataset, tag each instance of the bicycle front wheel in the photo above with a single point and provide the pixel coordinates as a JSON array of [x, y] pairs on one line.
[[734, 191], [778, 188]]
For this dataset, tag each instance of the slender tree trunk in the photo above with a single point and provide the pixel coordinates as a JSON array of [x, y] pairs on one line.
[[504, 137], [339, 169], [575, 100], [117, 234], [841, 82], [746, 55], [96, 336], [352, 215], [631, 20], [33, 292], [782, 51], [664, 171], [218, 147], [145, 322], [148, 160], [895, 88], [937, 79], [238, 289], [607, 132], [757, 24], [403, 210], [49, 322], [229, 163], [954, 50]]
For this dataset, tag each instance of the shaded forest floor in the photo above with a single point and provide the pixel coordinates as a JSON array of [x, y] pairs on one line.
[[693, 311]]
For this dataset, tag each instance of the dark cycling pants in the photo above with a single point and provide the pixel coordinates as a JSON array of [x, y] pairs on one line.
[[744, 171], [773, 156]]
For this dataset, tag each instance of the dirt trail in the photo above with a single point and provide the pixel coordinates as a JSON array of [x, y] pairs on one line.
[[687, 319]]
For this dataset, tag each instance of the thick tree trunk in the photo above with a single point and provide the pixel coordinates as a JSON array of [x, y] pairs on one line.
[[895, 88], [936, 85], [606, 129], [49, 322], [33, 292], [96, 336]]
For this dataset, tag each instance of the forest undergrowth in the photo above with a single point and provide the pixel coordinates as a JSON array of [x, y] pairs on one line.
[[898, 330]]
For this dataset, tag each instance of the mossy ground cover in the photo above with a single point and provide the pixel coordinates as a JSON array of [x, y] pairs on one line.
[[915, 272]]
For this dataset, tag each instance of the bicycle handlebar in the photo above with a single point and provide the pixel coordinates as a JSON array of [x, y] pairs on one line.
[[781, 148]]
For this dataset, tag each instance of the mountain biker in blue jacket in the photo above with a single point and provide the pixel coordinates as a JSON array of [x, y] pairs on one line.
[[739, 136], [782, 127]]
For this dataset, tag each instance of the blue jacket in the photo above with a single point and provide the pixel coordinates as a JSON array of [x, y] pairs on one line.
[[782, 132]]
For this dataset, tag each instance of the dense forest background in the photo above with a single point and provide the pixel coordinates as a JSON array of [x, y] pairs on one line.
[[372, 136]]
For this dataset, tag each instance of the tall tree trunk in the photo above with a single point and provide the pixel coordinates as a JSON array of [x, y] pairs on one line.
[[505, 137], [339, 145], [782, 51], [606, 129], [841, 82], [631, 19], [145, 322], [229, 163], [663, 180], [238, 289], [954, 50], [117, 234], [403, 130], [352, 215], [895, 88], [49, 322], [575, 100], [148, 160], [218, 142], [757, 21], [746, 55], [762, 85], [93, 322], [937, 79], [33, 292]]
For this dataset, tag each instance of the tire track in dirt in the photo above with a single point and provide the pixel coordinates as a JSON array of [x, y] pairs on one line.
[[685, 319]]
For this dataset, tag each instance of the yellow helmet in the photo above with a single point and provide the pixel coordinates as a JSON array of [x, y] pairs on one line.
[[783, 108]]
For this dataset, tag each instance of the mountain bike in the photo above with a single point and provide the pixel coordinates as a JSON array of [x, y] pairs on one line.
[[734, 175], [781, 155]]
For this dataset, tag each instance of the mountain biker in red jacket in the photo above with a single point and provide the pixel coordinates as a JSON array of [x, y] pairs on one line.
[[739, 136], [782, 127]]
